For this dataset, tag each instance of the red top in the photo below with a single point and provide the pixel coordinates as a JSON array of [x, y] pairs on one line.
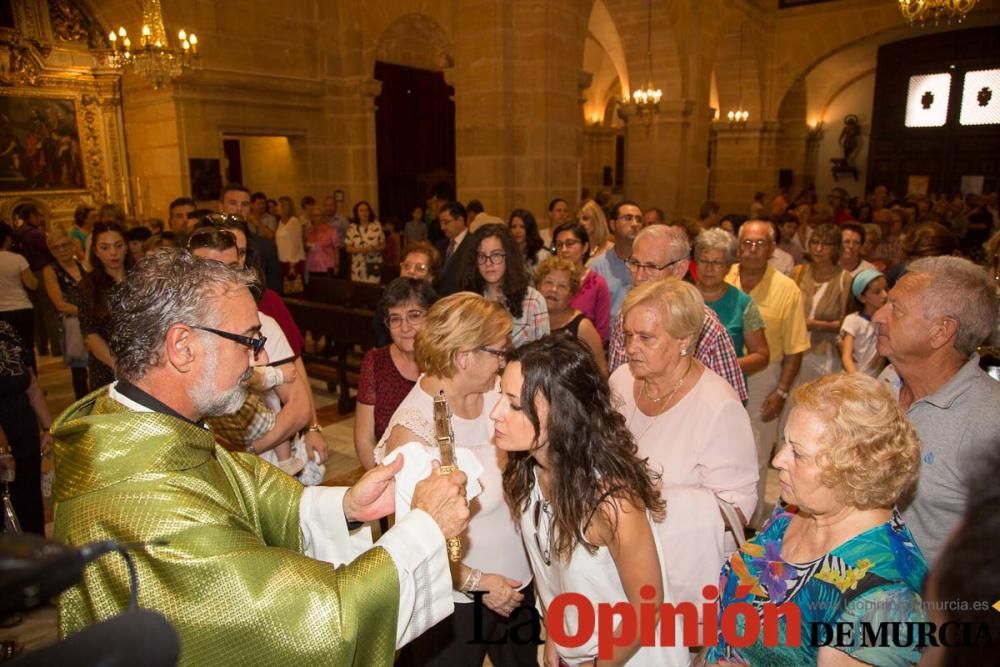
[[382, 385], [271, 304]]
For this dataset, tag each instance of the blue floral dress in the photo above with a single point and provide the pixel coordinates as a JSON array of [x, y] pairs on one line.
[[874, 578]]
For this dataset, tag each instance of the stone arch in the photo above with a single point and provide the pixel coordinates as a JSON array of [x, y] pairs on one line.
[[799, 49], [415, 40], [604, 60]]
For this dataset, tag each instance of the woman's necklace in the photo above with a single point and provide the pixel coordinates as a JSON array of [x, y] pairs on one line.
[[666, 397]]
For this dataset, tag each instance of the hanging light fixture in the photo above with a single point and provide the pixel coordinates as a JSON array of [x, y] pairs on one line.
[[935, 12], [155, 59], [647, 99], [739, 116]]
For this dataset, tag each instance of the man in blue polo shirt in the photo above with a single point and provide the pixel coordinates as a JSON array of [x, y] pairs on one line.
[[625, 222]]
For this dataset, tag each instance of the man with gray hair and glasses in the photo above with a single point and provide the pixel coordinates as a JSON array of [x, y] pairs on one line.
[[660, 252], [937, 314], [247, 565]]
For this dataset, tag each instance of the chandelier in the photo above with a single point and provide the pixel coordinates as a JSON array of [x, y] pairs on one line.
[[739, 116], [936, 12], [155, 59], [647, 99]]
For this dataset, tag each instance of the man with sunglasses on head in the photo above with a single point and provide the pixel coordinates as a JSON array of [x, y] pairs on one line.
[[235, 200], [660, 252], [255, 569], [269, 303], [780, 303], [277, 387]]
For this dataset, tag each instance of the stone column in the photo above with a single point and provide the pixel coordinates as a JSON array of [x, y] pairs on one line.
[[517, 111], [598, 152], [156, 153], [656, 169], [746, 161]]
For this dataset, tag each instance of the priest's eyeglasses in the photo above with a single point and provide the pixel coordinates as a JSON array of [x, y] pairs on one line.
[[256, 343]]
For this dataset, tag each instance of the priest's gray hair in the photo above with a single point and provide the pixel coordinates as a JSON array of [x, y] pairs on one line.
[[962, 291], [167, 287]]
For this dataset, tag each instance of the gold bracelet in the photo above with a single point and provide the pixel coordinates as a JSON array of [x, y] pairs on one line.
[[315, 428]]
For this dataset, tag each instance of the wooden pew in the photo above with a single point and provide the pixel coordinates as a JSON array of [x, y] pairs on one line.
[[348, 329], [340, 292]]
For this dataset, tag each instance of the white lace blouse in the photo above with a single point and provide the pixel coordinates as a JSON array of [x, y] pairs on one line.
[[491, 542]]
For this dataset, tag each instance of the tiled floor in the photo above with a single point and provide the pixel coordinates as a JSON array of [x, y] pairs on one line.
[[39, 628]]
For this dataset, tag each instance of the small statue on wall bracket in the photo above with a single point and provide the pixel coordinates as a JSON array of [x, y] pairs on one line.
[[850, 143]]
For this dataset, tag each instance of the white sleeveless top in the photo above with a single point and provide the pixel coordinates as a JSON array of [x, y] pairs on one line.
[[595, 576], [491, 542]]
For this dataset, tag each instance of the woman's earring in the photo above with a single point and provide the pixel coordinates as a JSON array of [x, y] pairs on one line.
[[684, 351]]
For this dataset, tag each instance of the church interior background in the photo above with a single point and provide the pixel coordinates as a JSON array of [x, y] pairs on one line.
[[512, 101]]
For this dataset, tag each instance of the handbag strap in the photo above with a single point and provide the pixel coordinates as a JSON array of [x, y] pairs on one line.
[[732, 520]]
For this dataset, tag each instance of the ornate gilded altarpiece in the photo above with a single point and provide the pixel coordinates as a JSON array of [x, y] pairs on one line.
[[61, 131]]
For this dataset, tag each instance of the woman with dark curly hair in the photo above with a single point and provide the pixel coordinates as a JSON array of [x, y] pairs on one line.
[[584, 500], [524, 228], [110, 260], [499, 275]]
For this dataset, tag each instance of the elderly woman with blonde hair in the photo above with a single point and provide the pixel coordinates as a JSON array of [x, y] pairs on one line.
[[460, 351], [691, 425], [838, 550]]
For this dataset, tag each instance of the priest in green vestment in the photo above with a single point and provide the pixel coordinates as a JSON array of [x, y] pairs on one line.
[[256, 570]]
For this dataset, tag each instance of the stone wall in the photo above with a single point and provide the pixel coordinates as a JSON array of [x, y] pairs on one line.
[[524, 73]]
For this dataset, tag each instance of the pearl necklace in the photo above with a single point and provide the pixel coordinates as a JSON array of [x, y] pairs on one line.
[[667, 397]]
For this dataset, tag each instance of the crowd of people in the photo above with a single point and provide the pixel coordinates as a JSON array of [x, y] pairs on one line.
[[621, 388]]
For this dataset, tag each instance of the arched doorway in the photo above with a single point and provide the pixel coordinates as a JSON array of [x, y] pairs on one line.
[[415, 115]]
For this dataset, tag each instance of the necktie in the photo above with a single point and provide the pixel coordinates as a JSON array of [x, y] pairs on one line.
[[451, 251]]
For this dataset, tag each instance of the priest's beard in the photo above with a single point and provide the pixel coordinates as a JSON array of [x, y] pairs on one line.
[[210, 402]]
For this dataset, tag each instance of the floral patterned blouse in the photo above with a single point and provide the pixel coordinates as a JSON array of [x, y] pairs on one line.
[[366, 267], [873, 578]]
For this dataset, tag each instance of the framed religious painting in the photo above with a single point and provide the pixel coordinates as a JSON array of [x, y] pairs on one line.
[[39, 145]]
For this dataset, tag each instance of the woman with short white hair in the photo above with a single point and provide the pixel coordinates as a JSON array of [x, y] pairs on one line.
[[714, 254], [691, 425]]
